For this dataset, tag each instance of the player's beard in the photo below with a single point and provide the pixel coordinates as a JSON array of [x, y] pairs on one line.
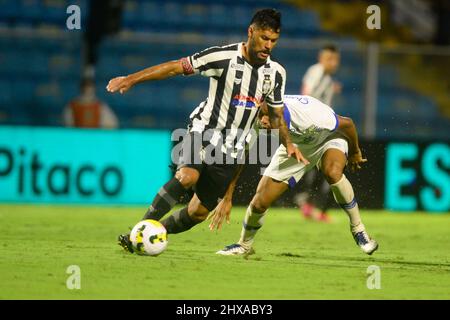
[[254, 54]]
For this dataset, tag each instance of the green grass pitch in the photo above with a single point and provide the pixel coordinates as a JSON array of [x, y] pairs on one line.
[[295, 259]]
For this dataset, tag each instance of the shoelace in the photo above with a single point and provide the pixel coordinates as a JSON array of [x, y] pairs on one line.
[[233, 246], [361, 238]]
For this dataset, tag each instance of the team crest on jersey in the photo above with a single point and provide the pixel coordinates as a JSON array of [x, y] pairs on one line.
[[267, 84]]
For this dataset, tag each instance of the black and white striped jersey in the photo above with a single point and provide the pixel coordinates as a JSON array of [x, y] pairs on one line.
[[319, 84], [236, 90]]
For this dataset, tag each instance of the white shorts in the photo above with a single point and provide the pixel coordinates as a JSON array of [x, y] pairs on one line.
[[290, 171]]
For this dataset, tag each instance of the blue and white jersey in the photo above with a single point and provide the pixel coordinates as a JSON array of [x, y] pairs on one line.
[[309, 121]]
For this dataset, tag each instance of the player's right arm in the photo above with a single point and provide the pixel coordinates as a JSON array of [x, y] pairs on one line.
[[348, 129], [209, 62], [158, 72]]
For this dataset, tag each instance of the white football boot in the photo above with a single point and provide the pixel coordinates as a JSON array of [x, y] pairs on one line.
[[235, 249], [366, 244]]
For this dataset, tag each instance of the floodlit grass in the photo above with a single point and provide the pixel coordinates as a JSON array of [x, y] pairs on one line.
[[295, 259]]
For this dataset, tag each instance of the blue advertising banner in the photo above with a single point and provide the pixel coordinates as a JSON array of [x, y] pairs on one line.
[[60, 165]]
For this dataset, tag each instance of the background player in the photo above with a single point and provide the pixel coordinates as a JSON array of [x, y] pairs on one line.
[[325, 139], [319, 83], [241, 76], [88, 111]]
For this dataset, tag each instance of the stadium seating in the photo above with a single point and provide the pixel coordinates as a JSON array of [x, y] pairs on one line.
[[165, 16], [41, 72], [37, 12]]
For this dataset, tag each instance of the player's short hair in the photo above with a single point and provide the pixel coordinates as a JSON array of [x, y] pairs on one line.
[[330, 47], [267, 19]]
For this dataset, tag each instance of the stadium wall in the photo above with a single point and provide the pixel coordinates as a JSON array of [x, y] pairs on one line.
[[57, 165], [121, 167], [400, 176]]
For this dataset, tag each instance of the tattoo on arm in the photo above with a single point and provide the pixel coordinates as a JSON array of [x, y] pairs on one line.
[[277, 122], [348, 129]]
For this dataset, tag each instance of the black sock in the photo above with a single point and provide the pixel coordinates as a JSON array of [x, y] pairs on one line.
[[168, 196], [179, 221]]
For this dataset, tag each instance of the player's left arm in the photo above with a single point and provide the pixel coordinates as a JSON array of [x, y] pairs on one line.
[[277, 122], [275, 108], [347, 127], [223, 209]]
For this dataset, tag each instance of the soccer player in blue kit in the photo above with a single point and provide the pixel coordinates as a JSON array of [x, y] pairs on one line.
[[328, 141]]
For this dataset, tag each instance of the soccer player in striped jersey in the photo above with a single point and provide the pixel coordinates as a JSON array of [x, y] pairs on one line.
[[318, 82], [325, 139], [242, 76]]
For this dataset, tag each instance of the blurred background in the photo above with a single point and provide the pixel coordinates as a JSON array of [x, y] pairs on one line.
[[394, 83]]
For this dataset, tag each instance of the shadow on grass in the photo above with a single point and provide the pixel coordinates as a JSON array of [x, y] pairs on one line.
[[371, 259]]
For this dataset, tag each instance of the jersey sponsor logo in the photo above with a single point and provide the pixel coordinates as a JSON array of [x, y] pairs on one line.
[[301, 99], [236, 66], [267, 71], [245, 101]]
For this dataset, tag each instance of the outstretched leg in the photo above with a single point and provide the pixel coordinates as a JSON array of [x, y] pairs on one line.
[[190, 168], [170, 194], [333, 164], [267, 192], [187, 217]]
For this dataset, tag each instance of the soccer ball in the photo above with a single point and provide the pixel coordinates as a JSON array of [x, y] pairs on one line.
[[149, 237]]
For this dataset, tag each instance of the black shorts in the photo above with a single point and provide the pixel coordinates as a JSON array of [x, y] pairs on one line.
[[214, 178]]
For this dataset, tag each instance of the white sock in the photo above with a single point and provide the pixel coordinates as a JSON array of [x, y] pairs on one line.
[[345, 198], [253, 221]]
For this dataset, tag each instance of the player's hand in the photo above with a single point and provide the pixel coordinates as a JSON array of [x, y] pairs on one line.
[[265, 122], [293, 151], [220, 213], [121, 84], [355, 160]]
